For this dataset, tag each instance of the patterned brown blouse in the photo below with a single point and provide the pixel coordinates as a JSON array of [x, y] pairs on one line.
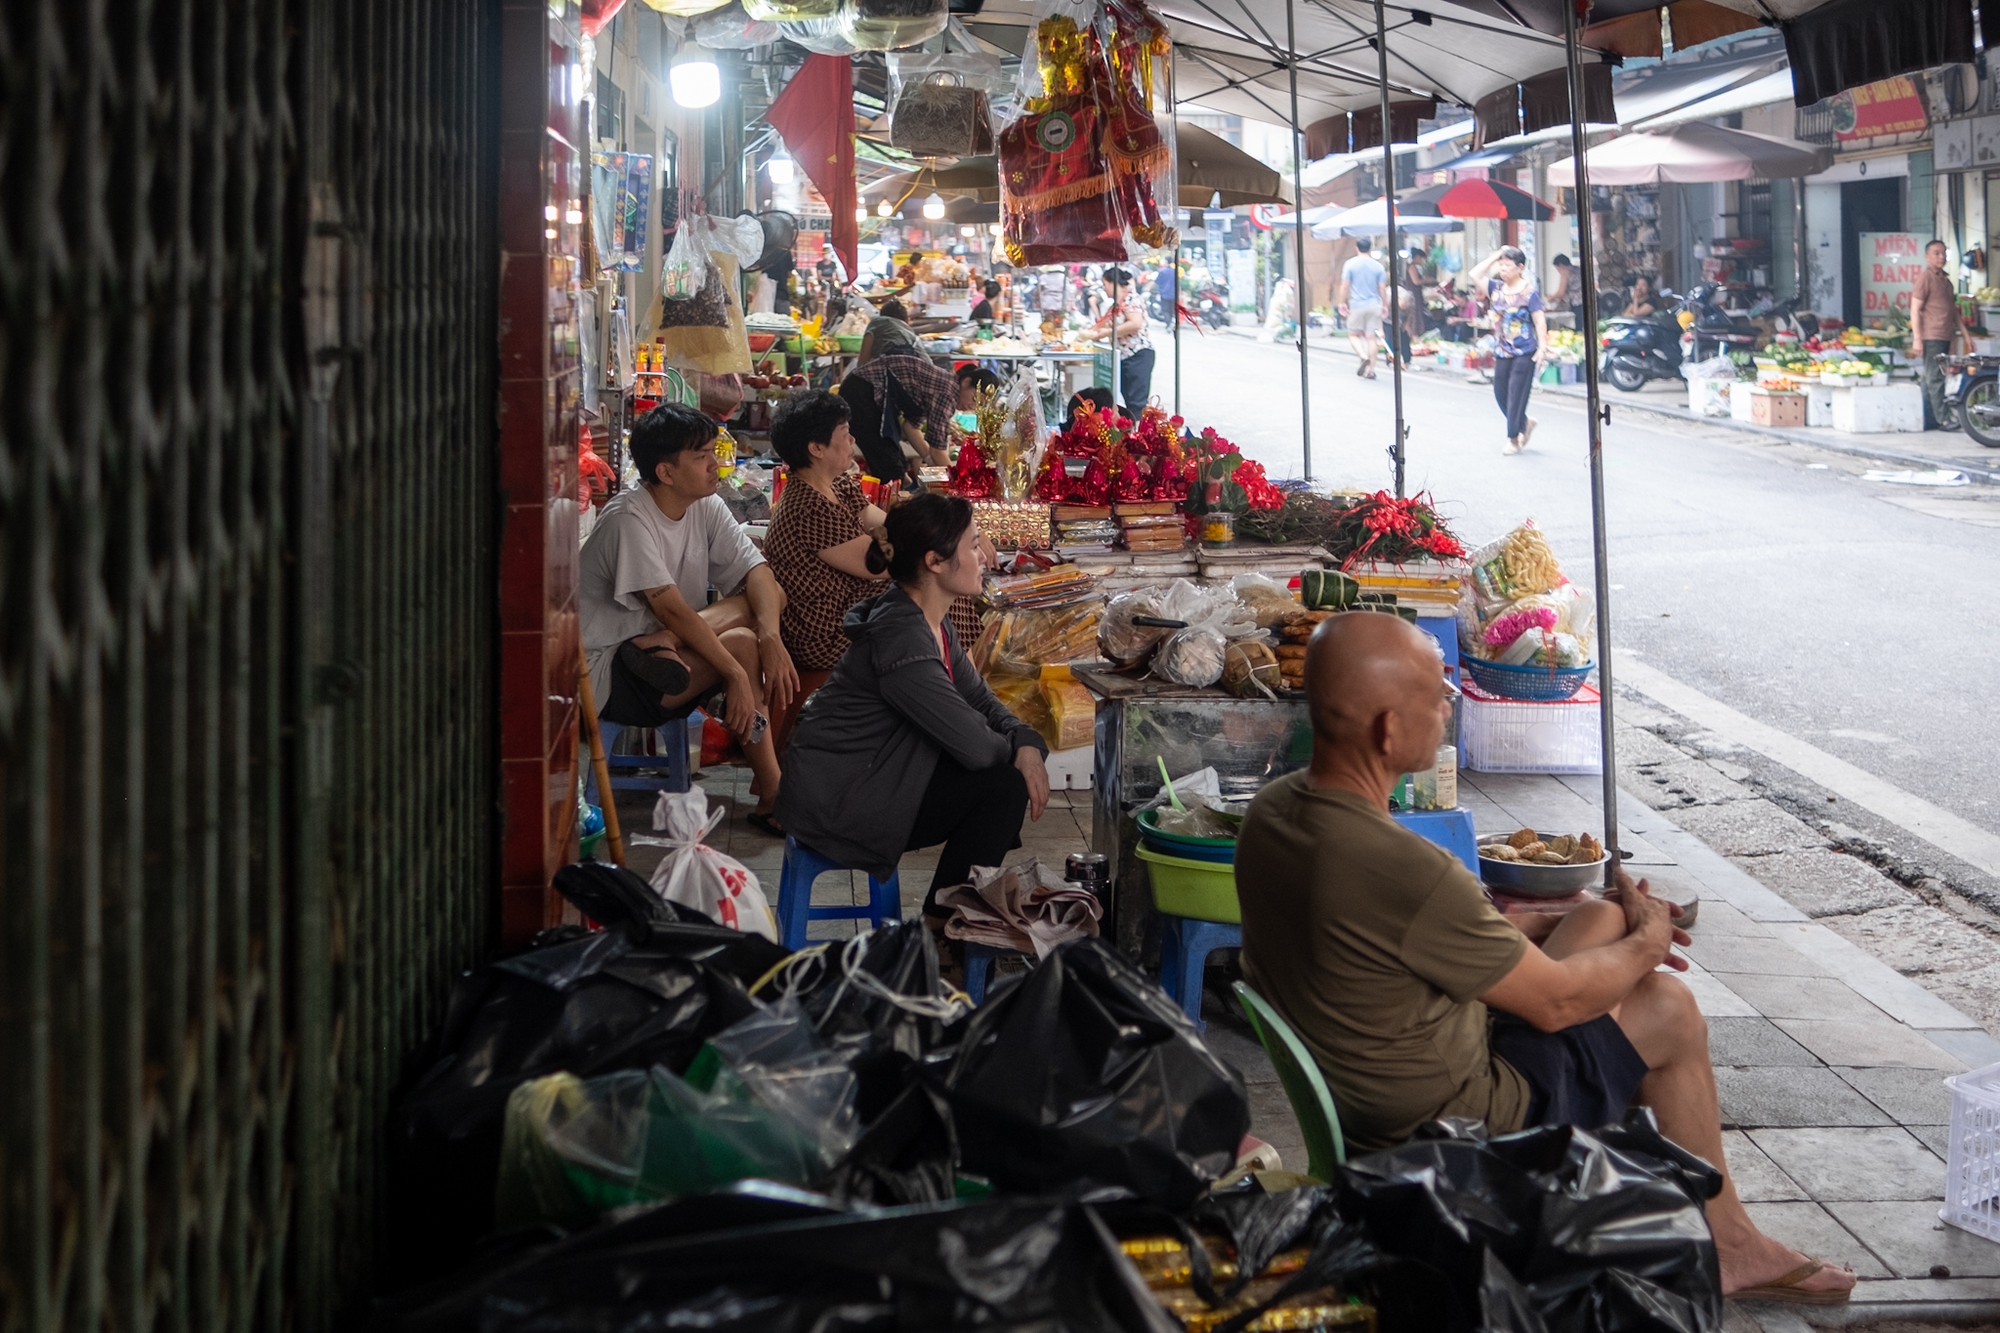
[[817, 595]]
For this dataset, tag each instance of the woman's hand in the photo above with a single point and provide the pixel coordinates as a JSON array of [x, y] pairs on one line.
[[739, 705], [1029, 760]]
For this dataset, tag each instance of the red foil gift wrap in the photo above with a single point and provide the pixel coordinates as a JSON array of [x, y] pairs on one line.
[[1056, 184], [972, 476], [1135, 143]]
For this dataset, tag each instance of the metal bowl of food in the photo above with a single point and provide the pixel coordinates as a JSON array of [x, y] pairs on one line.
[[1531, 879]]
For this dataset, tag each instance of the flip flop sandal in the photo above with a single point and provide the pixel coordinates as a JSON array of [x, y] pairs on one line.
[[765, 825], [1786, 1290], [668, 674]]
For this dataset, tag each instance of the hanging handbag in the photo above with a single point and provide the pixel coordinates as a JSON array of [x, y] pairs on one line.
[[934, 118]]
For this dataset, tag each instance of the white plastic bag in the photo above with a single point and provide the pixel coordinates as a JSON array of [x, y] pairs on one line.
[[686, 266], [695, 875]]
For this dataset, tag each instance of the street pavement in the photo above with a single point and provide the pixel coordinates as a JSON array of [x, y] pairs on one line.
[[1855, 616]]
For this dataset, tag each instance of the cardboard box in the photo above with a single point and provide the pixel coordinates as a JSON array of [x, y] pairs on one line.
[[1777, 409], [1709, 398]]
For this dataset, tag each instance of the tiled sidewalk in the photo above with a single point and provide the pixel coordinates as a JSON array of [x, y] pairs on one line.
[[1828, 1061]]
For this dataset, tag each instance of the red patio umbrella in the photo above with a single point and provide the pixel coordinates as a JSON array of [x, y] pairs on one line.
[[1492, 199]]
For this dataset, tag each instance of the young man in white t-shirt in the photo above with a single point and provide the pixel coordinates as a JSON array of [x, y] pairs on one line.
[[654, 643]]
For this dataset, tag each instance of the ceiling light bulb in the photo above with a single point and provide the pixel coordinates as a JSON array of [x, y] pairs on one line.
[[994, 227], [860, 213], [573, 217], [883, 209], [934, 206], [781, 169], [968, 230], [694, 78]]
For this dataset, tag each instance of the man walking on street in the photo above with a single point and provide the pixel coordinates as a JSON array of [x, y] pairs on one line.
[[1935, 322], [1361, 281]]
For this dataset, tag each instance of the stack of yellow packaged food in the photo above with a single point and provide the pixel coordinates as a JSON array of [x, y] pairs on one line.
[[1163, 1263]]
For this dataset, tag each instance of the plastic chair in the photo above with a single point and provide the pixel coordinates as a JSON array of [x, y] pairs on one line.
[[1449, 829], [1185, 944], [802, 866], [673, 740], [1305, 1087]]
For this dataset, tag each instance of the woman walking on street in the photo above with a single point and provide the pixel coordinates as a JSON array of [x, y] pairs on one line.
[[1521, 333]]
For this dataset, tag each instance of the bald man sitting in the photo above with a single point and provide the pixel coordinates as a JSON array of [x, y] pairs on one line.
[[1383, 952]]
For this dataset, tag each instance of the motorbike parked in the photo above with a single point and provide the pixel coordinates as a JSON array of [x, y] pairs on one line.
[[1211, 306], [1638, 348], [1972, 396]]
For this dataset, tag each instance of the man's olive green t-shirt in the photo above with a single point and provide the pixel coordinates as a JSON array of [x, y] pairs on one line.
[[1374, 944]]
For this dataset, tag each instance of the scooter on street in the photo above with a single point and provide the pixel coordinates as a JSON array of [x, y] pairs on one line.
[[1972, 396]]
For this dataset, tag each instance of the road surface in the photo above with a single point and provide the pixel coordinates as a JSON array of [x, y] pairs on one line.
[[1856, 616]]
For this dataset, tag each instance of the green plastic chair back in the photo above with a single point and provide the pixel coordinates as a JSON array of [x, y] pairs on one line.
[[1305, 1087]]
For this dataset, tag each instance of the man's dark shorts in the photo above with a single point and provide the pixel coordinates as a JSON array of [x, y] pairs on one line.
[[1584, 1075], [633, 703]]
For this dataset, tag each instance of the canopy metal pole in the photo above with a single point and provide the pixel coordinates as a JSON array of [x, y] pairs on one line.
[[1174, 306], [1588, 274], [1392, 323], [1299, 312]]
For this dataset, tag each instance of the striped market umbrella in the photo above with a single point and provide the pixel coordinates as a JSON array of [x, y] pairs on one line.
[[1483, 199]]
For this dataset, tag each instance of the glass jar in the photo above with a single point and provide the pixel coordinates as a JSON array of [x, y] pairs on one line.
[[1218, 530]]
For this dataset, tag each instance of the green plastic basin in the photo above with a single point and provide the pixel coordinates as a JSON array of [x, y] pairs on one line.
[[1204, 890]]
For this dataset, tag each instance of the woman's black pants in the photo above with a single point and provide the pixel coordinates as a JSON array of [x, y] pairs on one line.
[[1513, 378], [976, 813]]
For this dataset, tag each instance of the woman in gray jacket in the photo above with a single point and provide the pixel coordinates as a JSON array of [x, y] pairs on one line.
[[905, 746]]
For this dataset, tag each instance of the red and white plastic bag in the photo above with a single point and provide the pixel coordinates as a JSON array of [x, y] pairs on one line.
[[693, 874]]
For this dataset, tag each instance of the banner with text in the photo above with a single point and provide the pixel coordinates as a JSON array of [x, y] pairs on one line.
[[1891, 262]]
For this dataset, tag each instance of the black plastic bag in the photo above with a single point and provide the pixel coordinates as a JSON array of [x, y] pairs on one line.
[[1083, 1076], [709, 1263], [1550, 1230], [908, 1155], [588, 1006], [848, 997]]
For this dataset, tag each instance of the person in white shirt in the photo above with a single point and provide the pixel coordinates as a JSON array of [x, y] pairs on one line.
[[655, 645], [1361, 283]]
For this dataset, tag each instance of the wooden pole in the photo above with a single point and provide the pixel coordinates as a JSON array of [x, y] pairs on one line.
[[607, 799]]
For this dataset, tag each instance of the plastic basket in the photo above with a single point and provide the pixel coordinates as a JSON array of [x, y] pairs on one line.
[[1201, 889], [1972, 1158], [1524, 736], [1527, 682]]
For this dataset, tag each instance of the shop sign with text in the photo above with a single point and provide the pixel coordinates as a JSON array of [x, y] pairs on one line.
[[1890, 106], [1891, 263]]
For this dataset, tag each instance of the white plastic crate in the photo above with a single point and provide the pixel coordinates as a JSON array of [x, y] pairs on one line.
[[1972, 1159], [1520, 736]]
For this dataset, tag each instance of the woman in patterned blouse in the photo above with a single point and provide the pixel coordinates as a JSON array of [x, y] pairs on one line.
[[818, 545]]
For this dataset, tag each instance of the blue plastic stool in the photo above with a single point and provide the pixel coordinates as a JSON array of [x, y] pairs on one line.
[[1185, 944], [673, 738], [802, 866], [979, 968], [1445, 630], [1449, 829]]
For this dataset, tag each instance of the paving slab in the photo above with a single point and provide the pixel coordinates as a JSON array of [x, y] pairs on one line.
[[1754, 1043], [1712, 997], [1850, 1163], [1721, 879], [1863, 1044], [1976, 1049], [1639, 748], [1935, 1137], [1974, 992], [1824, 883], [1683, 784], [1271, 1120], [1792, 1097], [1811, 1229], [1748, 953], [1882, 985], [1758, 1178], [1912, 1096], [1800, 997], [1910, 1239], [1747, 828], [1721, 918]]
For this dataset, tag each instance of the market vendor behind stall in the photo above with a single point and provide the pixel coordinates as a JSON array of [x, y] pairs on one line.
[[1385, 955], [902, 404]]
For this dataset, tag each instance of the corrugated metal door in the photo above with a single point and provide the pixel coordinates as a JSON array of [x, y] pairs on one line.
[[246, 387]]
